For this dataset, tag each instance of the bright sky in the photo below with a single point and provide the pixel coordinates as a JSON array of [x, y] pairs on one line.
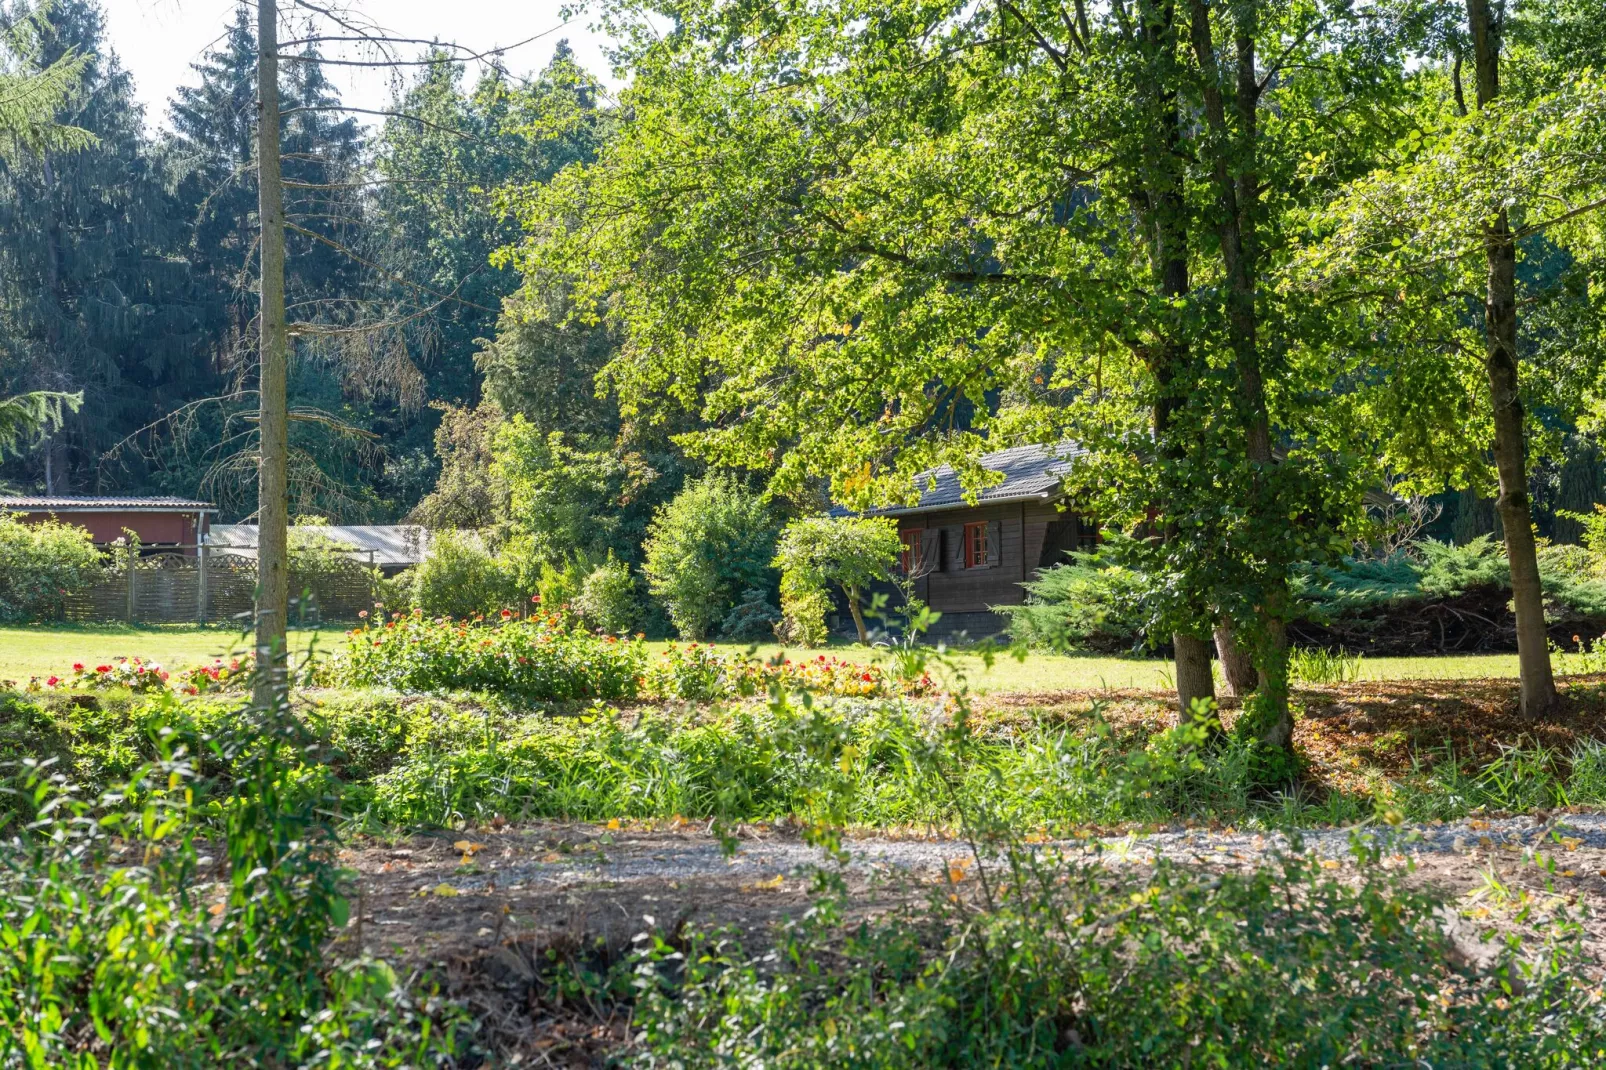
[[157, 40]]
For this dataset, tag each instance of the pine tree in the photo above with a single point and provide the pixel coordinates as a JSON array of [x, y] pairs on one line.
[[93, 294]]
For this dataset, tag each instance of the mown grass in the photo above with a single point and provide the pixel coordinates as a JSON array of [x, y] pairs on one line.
[[41, 651]]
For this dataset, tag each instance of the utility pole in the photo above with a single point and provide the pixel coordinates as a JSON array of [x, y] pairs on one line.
[[273, 504]]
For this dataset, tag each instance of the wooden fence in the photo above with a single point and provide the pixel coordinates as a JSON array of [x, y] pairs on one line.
[[214, 586]]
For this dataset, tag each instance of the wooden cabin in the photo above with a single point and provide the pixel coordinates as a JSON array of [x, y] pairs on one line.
[[967, 558]]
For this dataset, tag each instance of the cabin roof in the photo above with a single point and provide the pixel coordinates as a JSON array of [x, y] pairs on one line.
[[1031, 473]]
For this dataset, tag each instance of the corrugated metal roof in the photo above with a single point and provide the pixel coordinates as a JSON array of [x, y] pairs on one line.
[[73, 504], [1030, 473], [390, 544]]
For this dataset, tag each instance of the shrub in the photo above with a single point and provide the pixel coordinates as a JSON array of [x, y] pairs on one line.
[[803, 623], [850, 552], [569, 502], [560, 586], [609, 600], [1093, 601], [539, 659], [1067, 964], [181, 920], [698, 673], [753, 619], [41, 565], [459, 579], [709, 544]]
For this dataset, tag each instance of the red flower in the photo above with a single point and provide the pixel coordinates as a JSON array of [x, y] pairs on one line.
[[866, 677], [77, 666], [535, 599], [51, 682], [506, 613], [103, 668]]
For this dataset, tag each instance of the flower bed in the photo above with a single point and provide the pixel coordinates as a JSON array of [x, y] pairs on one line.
[[538, 659], [136, 674], [700, 673]]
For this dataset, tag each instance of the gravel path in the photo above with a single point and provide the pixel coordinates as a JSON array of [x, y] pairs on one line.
[[566, 854]]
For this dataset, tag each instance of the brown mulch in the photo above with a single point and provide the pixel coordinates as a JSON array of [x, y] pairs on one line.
[[1351, 733]]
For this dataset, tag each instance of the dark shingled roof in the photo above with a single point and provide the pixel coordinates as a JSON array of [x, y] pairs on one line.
[[70, 504], [1031, 473]]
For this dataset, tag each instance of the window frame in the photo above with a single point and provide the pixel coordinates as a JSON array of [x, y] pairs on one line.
[[976, 544], [909, 556]]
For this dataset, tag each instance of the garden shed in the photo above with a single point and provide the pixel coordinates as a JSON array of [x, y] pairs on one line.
[[966, 557], [162, 524]]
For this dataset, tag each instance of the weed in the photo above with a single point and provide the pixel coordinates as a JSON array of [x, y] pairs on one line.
[[1323, 668]]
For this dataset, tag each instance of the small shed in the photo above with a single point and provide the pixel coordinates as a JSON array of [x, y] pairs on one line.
[[161, 523], [966, 558], [390, 548]]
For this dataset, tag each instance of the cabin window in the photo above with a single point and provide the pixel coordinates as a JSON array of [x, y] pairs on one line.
[[976, 545], [909, 558]]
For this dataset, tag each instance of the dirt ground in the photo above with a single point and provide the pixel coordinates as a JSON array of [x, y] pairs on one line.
[[493, 911], [1350, 734]]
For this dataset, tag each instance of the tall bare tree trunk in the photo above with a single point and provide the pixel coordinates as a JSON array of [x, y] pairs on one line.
[[273, 505], [1538, 686]]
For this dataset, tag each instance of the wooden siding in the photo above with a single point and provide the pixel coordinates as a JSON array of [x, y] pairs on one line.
[[1022, 528]]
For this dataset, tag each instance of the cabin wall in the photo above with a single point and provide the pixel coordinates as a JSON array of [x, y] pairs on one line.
[[965, 596]]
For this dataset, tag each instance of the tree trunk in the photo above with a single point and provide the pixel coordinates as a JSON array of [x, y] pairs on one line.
[[1237, 666], [1234, 147], [1164, 205], [273, 505], [1194, 679], [858, 616], [1537, 685]]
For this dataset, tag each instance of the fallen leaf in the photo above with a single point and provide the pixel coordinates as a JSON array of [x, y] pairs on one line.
[[1331, 863], [1571, 843], [956, 869], [443, 889], [613, 824]]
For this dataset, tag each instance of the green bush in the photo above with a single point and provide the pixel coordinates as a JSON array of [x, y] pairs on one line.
[[1068, 964], [460, 579], [609, 599], [566, 501], [817, 552], [1093, 601], [538, 659], [41, 565], [709, 544], [181, 918]]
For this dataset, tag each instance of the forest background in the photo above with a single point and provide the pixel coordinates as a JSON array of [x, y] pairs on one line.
[[417, 342]]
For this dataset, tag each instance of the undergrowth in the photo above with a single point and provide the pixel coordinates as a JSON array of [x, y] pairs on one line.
[[449, 762], [178, 917]]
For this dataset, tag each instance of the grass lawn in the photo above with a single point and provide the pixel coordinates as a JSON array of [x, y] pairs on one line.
[[26, 652], [40, 651]]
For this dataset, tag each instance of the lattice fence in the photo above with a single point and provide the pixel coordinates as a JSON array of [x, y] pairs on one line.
[[175, 589]]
